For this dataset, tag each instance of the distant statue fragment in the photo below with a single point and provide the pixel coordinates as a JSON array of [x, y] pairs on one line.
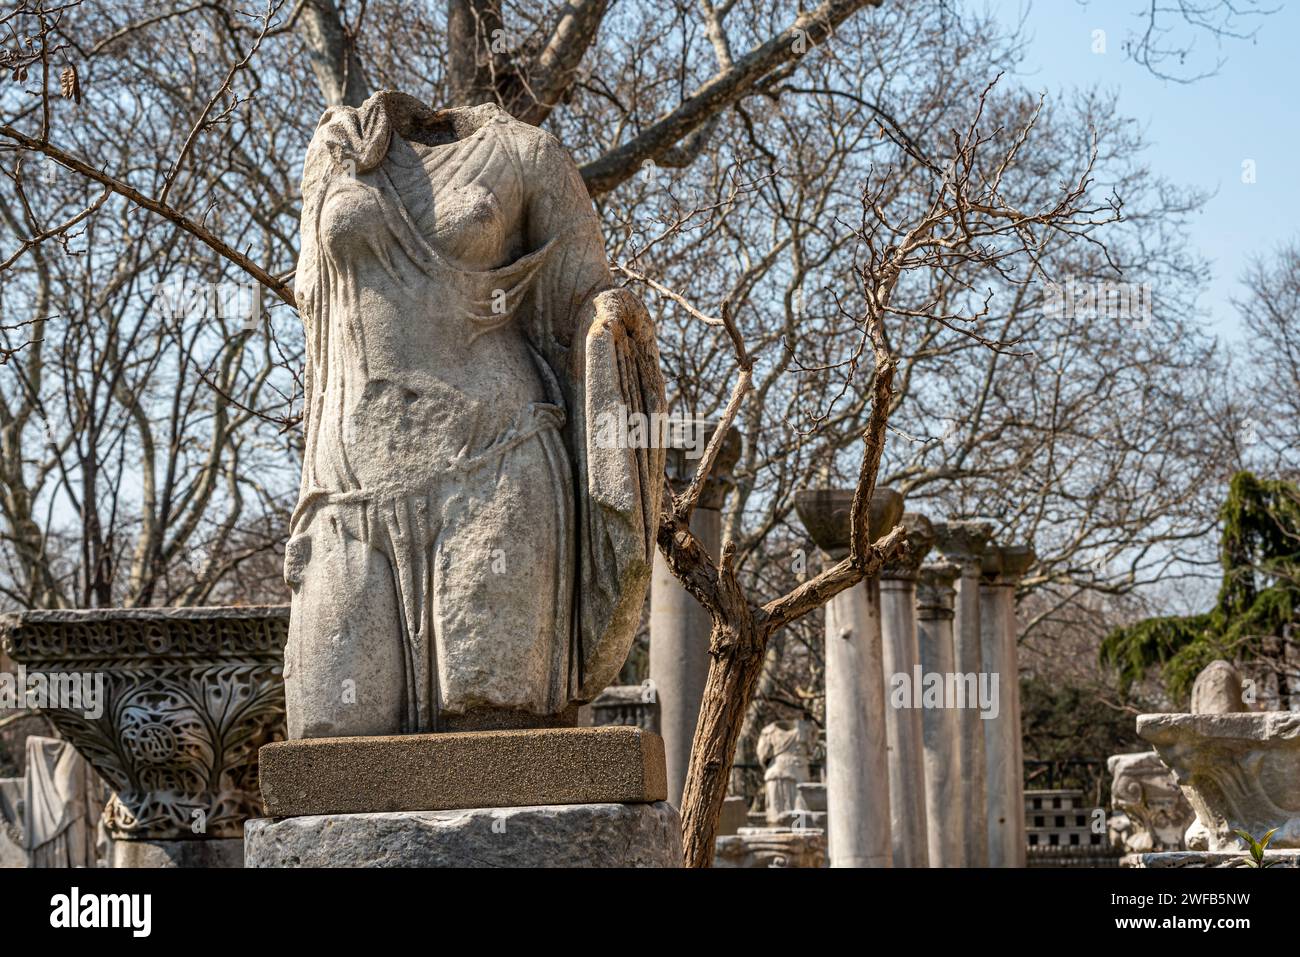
[[1150, 811], [62, 805], [1218, 689], [467, 552], [785, 748]]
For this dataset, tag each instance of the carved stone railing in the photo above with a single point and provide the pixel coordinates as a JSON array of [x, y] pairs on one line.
[[189, 695]]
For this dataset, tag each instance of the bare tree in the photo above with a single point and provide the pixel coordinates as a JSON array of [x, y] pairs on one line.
[[1267, 429], [725, 145]]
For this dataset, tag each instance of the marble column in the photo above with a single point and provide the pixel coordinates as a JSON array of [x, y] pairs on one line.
[[857, 764], [963, 543], [679, 625], [903, 725], [1003, 751], [944, 812]]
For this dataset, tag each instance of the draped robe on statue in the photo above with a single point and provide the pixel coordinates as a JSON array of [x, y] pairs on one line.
[[466, 552]]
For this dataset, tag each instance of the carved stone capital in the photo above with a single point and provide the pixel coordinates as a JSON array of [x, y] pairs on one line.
[[920, 539], [685, 441], [963, 542], [189, 695], [1006, 564], [1151, 812], [935, 590], [826, 514]]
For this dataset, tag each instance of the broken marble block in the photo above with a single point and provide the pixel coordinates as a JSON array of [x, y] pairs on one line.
[[556, 835]]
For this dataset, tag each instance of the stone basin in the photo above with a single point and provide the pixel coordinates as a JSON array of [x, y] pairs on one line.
[[1237, 770], [190, 695]]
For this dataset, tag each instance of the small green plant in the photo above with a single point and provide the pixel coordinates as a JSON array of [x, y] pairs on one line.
[[1256, 847]]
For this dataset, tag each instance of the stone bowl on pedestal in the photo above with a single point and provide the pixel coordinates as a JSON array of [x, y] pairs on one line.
[[174, 705], [1238, 771]]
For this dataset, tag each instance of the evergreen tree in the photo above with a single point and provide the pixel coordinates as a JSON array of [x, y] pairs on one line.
[[1253, 617]]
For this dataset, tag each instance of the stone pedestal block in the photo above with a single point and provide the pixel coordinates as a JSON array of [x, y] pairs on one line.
[[571, 835], [433, 772]]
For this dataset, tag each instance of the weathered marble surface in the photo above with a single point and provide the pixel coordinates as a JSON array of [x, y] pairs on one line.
[[1150, 811], [944, 760], [1237, 770], [223, 852], [473, 537], [62, 801], [12, 838], [572, 835], [1218, 690], [623, 706], [1199, 859], [1002, 569]]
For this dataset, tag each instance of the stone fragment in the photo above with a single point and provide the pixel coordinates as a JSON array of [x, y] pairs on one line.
[[571, 835], [183, 699], [735, 815], [1150, 811], [772, 847], [1218, 690]]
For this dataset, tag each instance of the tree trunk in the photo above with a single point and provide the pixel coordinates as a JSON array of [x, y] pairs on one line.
[[737, 661]]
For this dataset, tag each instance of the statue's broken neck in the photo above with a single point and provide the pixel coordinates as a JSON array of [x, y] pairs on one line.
[[417, 122]]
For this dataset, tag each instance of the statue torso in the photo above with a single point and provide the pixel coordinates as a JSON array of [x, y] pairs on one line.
[[441, 372]]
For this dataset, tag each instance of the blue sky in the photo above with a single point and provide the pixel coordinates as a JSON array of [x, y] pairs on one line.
[[1200, 132]]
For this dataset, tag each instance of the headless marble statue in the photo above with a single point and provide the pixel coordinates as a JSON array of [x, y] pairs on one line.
[[465, 554]]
